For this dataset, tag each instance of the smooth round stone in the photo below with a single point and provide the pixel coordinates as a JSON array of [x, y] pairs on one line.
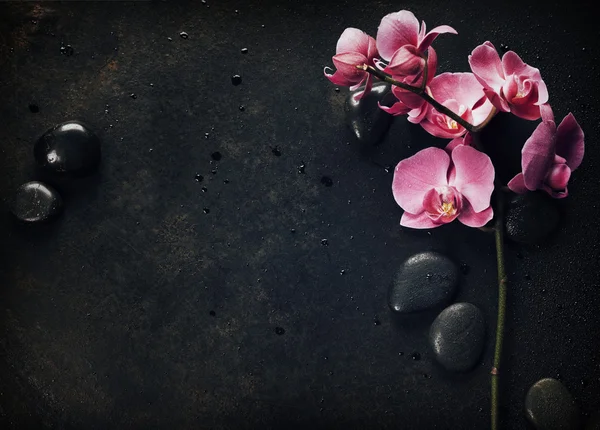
[[531, 217], [35, 202], [424, 281], [367, 121], [550, 406], [457, 336], [68, 148]]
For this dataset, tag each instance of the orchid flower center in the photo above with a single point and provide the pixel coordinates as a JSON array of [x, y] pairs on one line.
[[448, 209], [452, 124], [520, 88], [443, 204]]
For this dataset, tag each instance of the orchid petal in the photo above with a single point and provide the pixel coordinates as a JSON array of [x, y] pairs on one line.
[[569, 141], [367, 90], [406, 61], [487, 66], [529, 111], [416, 175], [471, 218], [396, 30], [419, 221], [537, 154], [346, 63], [546, 112], [396, 109], [474, 176], [433, 34], [517, 184], [337, 78], [354, 40], [558, 177]]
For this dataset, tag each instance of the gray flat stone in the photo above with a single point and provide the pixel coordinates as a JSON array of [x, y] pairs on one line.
[[550, 406]]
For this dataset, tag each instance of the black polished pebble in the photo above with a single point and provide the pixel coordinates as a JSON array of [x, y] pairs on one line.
[[424, 281], [531, 217], [68, 148], [457, 336], [35, 202], [550, 406], [366, 119]]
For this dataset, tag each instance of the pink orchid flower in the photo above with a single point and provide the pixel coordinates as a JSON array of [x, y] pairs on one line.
[[549, 156], [401, 29], [510, 84], [463, 95], [354, 48], [409, 103], [435, 188]]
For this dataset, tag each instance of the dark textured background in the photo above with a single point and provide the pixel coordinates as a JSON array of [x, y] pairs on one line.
[[104, 316]]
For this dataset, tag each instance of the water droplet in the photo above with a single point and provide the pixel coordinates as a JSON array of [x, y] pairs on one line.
[[34, 108], [400, 354], [206, 135], [416, 356], [279, 331], [236, 79], [528, 277], [276, 152], [170, 39], [206, 210], [376, 322], [214, 171], [242, 108], [225, 181], [301, 167], [342, 272], [244, 50], [293, 230], [428, 276], [199, 177], [204, 189], [133, 96], [67, 50], [212, 313], [237, 11], [336, 89], [387, 169], [183, 35], [324, 242], [327, 181], [216, 156], [465, 269]]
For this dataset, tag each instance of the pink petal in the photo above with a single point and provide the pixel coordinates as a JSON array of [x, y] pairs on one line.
[[418, 174], [433, 34], [513, 65], [474, 176], [497, 100], [569, 141], [558, 177], [406, 61], [543, 95], [462, 87], [411, 100], [482, 112], [420, 221], [487, 67], [396, 109], [471, 218], [454, 143], [418, 114], [354, 40], [346, 64], [561, 194], [337, 78], [517, 184], [432, 62], [537, 155], [528, 111], [396, 30], [546, 111], [367, 90]]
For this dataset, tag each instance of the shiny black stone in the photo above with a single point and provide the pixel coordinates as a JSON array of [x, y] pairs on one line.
[[531, 217], [366, 119], [68, 148], [35, 202]]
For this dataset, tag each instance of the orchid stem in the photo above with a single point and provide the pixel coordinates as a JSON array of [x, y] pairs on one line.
[[420, 91], [502, 281]]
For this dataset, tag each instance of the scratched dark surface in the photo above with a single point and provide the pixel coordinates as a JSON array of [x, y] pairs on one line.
[[105, 315]]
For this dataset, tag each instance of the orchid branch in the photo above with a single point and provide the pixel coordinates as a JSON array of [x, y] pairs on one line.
[[420, 91], [502, 281]]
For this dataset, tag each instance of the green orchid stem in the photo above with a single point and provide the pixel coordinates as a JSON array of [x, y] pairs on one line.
[[502, 281], [420, 91]]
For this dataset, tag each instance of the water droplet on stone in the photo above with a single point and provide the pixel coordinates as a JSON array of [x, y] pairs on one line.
[[206, 210], [170, 39], [70, 147], [183, 35], [324, 242], [216, 156], [33, 108], [244, 50], [279, 331], [236, 79], [327, 181], [276, 151], [342, 272], [133, 96], [376, 322], [242, 108], [293, 230], [225, 181], [336, 89], [415, 356], [301, 168], [199, 177], [204, 189], [465, 269], [67, 50]]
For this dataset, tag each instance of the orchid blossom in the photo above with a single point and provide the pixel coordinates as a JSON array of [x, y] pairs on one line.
[[510, 84], [549, 156], [354, 48], [435, 188]]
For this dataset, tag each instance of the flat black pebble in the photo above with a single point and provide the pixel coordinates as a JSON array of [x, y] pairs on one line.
[[236, 79], [531, 217], [70, 148], [457, 336], [366, 119], [550, 406], [424, 281], [35, 202]]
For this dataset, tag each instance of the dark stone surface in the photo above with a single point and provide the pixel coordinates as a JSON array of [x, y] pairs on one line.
[[35, 202], [105, 319], [593, 422], [457, 336], [531, 218], [424, 281], [368, 122], [68, 148], [550, 406]]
